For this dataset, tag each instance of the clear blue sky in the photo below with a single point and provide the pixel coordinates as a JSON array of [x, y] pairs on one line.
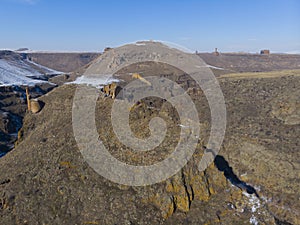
[[91, 25]]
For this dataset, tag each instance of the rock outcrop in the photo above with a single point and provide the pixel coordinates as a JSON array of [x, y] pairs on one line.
[[35, 105]]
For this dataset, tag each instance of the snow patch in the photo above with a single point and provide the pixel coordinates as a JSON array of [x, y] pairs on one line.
[[18, 67], [11, 74], [253, 201], [210, 66], [4, 113], [140, 43], [255, 204], [23, 72], [95, 80], [253, 220], [47, 70], [183, 126]]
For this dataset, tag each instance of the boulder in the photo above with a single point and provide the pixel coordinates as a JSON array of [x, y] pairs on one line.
[[36, 105]]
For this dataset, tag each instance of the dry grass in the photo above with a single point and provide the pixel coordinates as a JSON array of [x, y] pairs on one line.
[[271, 74]]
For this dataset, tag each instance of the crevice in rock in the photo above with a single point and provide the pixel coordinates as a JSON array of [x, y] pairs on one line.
[[207, 183], [174, 203], [192, 193], [223, 166], [190, 198], [6, 181], [280, 222]]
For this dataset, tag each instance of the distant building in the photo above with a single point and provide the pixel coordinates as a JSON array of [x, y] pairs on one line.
[[265, 52], [216, 52]]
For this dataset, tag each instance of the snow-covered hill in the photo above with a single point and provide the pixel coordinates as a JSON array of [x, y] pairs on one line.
[[15, 70]]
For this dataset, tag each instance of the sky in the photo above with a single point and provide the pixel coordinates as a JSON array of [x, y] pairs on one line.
[[202, 25]]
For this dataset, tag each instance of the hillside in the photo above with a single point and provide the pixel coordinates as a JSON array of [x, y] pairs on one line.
[[16, 69], [52, 183], [65, 62]]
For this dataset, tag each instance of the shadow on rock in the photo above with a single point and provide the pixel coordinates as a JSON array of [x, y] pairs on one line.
[[223, 166]]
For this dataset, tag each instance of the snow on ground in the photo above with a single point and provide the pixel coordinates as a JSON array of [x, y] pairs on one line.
[[210, 66], [183, 126], [18, 67], [140, 43], [95, 80], [255, 204], [253, 201], [18, 72], [253, 220], [47, 70], [14, 75], [214, 67]]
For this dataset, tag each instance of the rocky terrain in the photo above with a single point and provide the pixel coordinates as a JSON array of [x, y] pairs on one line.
[[17, 73], [254, 179], [19, 70]]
